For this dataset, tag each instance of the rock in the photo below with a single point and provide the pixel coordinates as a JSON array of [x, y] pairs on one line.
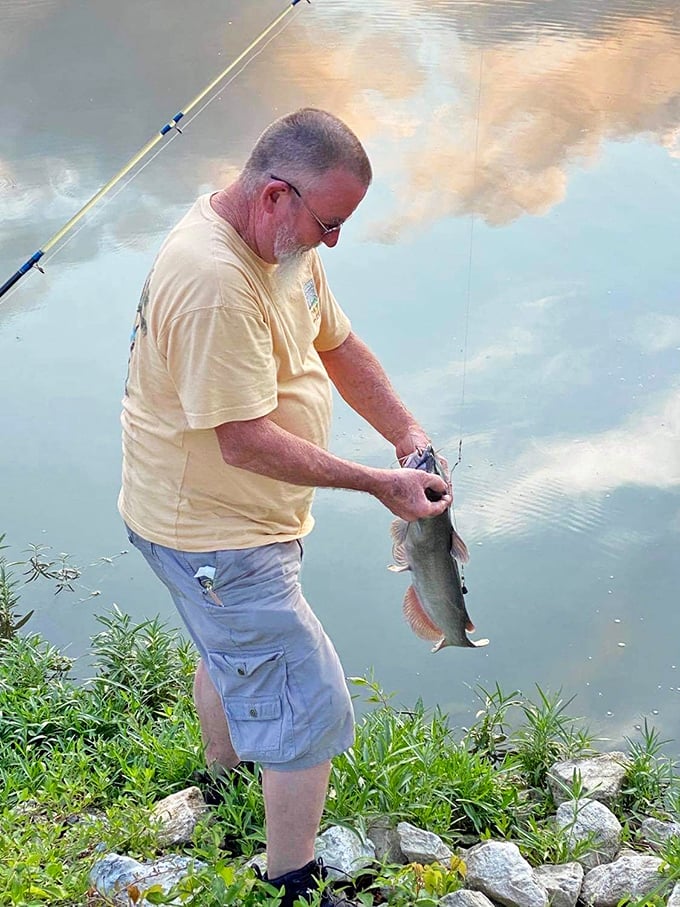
[[419, 846], [629, 877], [178, 815], [465, 898], [339, 847], [586, 818], [258, 862], [498, 870], [88, 818], [114, 874], [674, 899], [601, 776], [563, 883], [655, 832], [385, 839]]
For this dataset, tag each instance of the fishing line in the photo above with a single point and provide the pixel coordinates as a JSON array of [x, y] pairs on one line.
[[466, 329], [112, 196], [172, 126]]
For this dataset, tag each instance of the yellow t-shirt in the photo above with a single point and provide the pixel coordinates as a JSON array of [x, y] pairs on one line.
[[218, 338]]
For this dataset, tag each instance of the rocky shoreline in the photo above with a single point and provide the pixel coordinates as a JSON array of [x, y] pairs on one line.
[[601, 869]]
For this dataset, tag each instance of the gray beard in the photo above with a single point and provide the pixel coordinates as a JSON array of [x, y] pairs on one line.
[[289, 270]]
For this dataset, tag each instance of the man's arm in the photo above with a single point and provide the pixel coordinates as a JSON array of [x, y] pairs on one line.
[[364, 385], [259, 445]]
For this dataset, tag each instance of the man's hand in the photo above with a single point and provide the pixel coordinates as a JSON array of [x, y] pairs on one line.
[[414, 438], [403, 492]]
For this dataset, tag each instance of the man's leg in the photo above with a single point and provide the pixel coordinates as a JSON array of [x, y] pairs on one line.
[[293, 804], [293, 801], [219, 752]]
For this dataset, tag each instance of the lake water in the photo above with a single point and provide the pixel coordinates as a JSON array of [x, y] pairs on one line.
[[514, 266]]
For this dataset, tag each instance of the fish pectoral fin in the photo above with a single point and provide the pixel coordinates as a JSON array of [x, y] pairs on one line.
[[399, 556], [398, 531], [419, 621], [398, 568], [459, 549]]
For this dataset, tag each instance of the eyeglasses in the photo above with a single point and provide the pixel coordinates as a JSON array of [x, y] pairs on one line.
[[325, 228]]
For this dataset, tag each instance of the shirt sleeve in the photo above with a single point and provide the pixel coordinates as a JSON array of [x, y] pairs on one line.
[[335, 326], [219, 354]]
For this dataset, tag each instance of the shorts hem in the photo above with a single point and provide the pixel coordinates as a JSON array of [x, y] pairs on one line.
[[309, 760]]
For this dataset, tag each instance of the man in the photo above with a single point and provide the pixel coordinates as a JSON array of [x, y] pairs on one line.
[[225, 426]]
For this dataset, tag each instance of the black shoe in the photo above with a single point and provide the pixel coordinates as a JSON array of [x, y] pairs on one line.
[[304, 883]]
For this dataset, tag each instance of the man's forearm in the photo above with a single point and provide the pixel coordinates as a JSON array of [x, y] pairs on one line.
[[364, 385], [259, 445]]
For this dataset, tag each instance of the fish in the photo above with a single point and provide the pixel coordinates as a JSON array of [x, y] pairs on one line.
[[434, 605]]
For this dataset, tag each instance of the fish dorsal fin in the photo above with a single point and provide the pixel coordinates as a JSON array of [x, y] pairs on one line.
[[458, 548], [417, 619]]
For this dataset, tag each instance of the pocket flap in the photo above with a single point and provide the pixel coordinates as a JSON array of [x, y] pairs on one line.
[[245, 665], [258, 708]]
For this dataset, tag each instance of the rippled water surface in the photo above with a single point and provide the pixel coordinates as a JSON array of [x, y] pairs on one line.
[[514, 265]]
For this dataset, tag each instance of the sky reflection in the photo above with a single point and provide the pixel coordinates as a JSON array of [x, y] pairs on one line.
[[526, 197]]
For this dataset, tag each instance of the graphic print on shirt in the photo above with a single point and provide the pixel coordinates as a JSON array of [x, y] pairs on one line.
[[139, 325], [312, 299]]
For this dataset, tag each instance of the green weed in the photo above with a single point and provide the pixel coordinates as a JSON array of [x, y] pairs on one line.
[[548, 735], [649, 778]]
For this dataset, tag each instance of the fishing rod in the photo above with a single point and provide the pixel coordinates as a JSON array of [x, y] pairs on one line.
[[170, 126]]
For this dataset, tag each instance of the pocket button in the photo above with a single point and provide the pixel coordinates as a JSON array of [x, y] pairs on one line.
[[241, 671], [253, 713]]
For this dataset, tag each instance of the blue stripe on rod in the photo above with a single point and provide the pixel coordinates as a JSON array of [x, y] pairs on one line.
[[26, 266], [171, 125]]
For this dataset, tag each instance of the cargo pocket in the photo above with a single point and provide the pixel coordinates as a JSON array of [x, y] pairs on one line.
[[253, 691]]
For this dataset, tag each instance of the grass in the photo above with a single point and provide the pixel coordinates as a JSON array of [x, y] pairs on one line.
[[82, 764]]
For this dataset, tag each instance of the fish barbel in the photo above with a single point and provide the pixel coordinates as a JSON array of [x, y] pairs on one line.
[[434, 605]]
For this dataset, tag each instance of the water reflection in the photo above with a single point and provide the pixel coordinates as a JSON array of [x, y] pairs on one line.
[[553, 127], [484, 108]]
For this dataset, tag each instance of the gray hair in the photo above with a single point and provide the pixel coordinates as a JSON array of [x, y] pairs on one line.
[[304, 145]]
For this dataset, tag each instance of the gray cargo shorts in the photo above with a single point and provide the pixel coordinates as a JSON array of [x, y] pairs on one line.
[[277, 673]]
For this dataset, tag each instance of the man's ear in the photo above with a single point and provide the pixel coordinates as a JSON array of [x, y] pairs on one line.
[[272, 193]]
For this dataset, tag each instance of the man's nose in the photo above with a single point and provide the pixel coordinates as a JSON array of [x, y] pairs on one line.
[[331, 239]]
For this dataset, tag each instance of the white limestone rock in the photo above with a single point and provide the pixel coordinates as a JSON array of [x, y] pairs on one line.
[[655, 832], [465, 898], [674, 898], [629, 877], [563, 882], [258, 862], [420, 846], [498, 870], [179, 815], [586, 818], [601, 776], [342, 848], [113, 875]]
